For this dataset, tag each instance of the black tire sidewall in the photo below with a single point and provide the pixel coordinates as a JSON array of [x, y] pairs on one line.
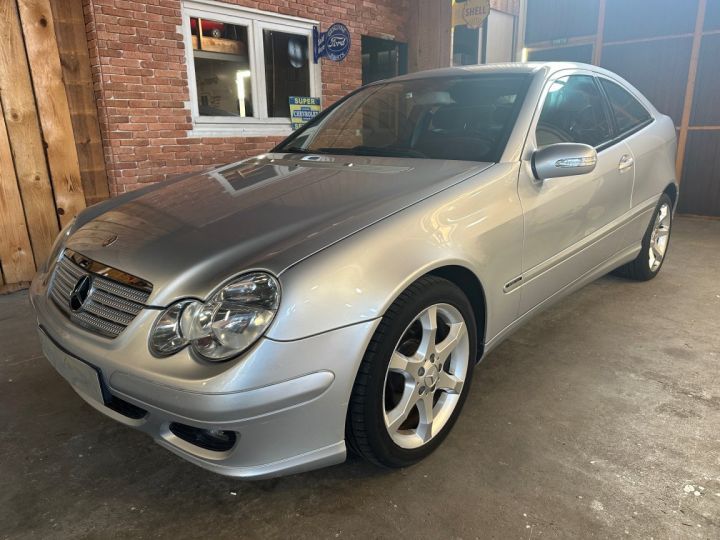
[[394, 325]]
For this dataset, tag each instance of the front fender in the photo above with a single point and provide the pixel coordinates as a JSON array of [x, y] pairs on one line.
[[476, 224]]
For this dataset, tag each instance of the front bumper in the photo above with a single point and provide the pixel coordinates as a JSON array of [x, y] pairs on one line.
[[285, 401]]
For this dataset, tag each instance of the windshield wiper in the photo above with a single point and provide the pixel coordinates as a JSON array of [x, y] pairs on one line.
[[392, 151], [333, 150], [360, 150], [387, 151], [379, 151]]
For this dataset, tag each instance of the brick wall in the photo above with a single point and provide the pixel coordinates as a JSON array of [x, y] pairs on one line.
[[141, 85]]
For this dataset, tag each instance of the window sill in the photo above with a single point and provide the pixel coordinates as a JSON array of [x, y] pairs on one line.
[[259, 129]]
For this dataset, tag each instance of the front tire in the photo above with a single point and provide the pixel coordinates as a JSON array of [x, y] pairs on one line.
[[415, 375], [655, 244]]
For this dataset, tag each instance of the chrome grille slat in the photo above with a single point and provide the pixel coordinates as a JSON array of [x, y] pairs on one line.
[[110, 306], [107, 313], [62, 287], [56, 295], [122, 291], [133, 308], [62, 278], [97, 325], [72, 270]]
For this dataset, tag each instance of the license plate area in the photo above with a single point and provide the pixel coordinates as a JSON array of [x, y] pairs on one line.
[[84, 378]]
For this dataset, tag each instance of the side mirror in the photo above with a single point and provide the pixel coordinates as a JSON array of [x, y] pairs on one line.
[[563, 159]]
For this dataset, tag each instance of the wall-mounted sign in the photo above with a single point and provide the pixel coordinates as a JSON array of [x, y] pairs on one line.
[[333, 43], [302, 110], [471, 13]]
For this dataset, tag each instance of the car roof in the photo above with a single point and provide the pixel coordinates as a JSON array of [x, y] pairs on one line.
[[542, 69], [509, 68], [539, 69]]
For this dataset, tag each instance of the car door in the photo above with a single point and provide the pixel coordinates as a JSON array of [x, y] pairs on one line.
[[571, 222], [649, 150]]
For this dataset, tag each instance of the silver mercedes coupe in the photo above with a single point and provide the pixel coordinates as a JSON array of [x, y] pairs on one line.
[[264, 317]]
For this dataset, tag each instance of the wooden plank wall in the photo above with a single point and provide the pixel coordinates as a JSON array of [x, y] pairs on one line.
[[15, 251], [668, 50], [50, 149], [429, 37], [77, 76], [26, 144]]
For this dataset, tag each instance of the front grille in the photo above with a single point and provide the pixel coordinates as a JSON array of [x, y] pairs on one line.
[[107, 306]]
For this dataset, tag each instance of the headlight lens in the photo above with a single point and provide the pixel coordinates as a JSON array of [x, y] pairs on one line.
[[166, 337], [226, 324]]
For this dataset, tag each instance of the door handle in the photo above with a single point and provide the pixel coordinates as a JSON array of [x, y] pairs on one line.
[[626, 161]]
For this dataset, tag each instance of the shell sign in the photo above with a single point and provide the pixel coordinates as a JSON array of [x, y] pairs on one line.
[[471, 13]]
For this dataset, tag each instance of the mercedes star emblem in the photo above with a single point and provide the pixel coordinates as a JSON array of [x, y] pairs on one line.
[[80, 293]]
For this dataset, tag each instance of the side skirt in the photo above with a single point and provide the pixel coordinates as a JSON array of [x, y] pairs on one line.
[[607, 266]]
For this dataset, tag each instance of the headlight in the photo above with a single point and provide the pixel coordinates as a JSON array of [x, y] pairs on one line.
[[226, 324]]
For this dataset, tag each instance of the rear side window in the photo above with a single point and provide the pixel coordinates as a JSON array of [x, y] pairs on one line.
[[629, 113], [573, 112]]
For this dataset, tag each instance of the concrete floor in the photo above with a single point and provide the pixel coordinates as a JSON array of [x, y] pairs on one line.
[[600, 418]]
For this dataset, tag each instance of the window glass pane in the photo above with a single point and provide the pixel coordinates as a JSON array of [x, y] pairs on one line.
[[573, 112], [464, 118], [382, 59], [287, 70], [466, 44], [222, 68], [629, 113]]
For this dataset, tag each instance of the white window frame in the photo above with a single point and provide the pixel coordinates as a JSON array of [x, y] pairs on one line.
[[255, 21]]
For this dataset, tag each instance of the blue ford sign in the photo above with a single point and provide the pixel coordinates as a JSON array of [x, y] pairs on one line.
[[333, 43]]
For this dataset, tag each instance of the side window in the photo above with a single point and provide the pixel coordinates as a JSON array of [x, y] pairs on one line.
[[573, 112], [628, 111]]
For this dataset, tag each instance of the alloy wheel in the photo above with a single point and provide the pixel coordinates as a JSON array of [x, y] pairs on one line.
[[659, 237], [425, 376]]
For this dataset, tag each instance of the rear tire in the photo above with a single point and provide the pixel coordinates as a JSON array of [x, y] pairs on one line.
[[655, 244], [413, 380]]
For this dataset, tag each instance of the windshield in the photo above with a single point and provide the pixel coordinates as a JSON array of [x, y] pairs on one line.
[[462, 118]]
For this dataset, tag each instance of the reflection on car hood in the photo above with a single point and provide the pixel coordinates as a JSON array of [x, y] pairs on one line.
[[189, 234]]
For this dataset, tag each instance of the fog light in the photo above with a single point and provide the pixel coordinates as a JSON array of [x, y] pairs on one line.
[[216, 440]]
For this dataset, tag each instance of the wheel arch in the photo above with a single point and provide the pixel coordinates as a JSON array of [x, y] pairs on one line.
[[470, 284], [671, 190]]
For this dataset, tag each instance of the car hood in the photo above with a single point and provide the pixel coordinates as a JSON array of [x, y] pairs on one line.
[[188, 235]]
